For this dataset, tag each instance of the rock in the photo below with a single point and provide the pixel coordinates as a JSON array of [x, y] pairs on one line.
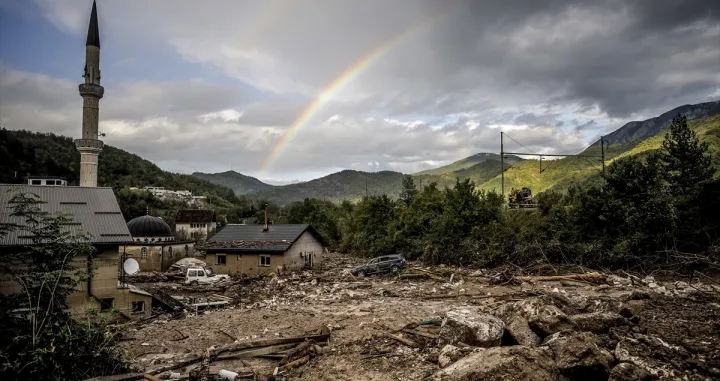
[[520, 330], [639, 295], [545, 325], [476, 329], [531, 307], [502, 363], [618, 280], [626, 371], [450, 353], [579, 357], [598, 322]]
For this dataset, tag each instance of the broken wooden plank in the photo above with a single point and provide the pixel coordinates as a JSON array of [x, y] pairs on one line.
[[590, 277], [299, 351], [418, 333], [259, 352], [151, 377], [268, 342], [403, 340]]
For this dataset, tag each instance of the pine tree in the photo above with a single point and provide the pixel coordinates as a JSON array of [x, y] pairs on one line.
[[686, 160], [407, 195]]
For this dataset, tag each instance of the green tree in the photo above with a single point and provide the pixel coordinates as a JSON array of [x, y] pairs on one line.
[[408, 190], [686, 160]]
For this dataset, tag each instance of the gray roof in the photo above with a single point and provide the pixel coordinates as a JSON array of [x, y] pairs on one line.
[[253, 238], [95, 209]]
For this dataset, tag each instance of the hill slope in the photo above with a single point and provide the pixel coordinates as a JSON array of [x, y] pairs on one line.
[[47, 154], [468, 162], [559, 174], [347, 184], [239, 183], [633, 131]]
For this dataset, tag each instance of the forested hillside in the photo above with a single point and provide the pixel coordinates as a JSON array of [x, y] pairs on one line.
[[239, 183]]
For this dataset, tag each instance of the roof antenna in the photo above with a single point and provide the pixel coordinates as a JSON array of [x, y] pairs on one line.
[[265, 228]]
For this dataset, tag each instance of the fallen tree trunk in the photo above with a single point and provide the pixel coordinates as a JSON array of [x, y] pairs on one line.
[[590, 277], [403, 340]]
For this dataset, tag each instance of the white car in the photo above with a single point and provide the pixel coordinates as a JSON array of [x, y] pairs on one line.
[[200, 275]]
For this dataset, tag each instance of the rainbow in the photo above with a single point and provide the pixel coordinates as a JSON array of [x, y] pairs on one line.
[[346, 77]]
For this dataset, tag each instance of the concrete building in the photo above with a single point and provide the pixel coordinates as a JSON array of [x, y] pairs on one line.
[[91, 92], [196, 224], [263, 249], [46, 180], [154, 245], [96, 212]]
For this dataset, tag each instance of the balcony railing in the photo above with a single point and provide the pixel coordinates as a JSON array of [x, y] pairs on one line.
[[92, 90], [89, 143]]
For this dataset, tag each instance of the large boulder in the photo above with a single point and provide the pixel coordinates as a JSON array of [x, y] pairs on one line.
[[450, 353], [598, 322], [545, 325], [519, 329], [579, 357], [515, 363], [476, 329], [529, 308]]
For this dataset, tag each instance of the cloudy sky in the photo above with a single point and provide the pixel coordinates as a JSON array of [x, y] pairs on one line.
[[295, 89]]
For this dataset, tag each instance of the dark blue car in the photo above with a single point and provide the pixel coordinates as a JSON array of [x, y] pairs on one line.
[[381, 265]]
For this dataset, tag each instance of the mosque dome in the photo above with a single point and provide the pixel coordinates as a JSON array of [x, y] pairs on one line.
[[149, 226]]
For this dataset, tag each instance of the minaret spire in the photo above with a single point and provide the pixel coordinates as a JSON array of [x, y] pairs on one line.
[[93, 37], [91, 91]]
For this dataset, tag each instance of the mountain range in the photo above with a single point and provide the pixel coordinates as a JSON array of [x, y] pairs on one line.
[[24, 152], [484, 168]]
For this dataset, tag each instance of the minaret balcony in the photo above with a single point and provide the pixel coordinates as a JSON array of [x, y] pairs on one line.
[[91, 90], [89, 144]]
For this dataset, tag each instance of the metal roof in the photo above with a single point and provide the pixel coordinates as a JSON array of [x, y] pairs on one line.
[[253, 238], [194, 215], [94, 210]]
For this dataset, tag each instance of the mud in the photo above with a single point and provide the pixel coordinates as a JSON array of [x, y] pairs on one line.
[[670, 331]]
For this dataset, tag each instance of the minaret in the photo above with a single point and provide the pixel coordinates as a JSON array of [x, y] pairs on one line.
[[91, 91]]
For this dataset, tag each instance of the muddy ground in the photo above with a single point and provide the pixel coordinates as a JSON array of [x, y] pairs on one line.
[[669, 329]]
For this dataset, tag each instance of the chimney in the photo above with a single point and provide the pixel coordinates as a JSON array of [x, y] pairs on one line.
[[265, 228]]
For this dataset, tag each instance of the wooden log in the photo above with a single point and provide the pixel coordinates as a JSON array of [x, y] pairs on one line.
[[418, 333], [590, 277], [432, 276], [151, 377], [294, 364], [298, 352], [403, 340]]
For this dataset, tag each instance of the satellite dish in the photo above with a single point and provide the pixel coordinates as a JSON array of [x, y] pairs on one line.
[[131, 266]]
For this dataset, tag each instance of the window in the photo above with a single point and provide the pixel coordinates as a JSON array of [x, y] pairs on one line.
[[143, 253], [138, 307], [107, 304], [220, 259], [264, 260], [36, 182], [192, 273], [169, 251], [201, 273], [49, 182]]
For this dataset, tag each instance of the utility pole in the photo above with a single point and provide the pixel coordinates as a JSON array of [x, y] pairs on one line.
[[541, 164], [366, 193], [502, 167], [602, 153]]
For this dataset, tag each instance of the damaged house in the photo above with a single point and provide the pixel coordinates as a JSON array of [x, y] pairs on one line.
[[263, 249], [195, 224]]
